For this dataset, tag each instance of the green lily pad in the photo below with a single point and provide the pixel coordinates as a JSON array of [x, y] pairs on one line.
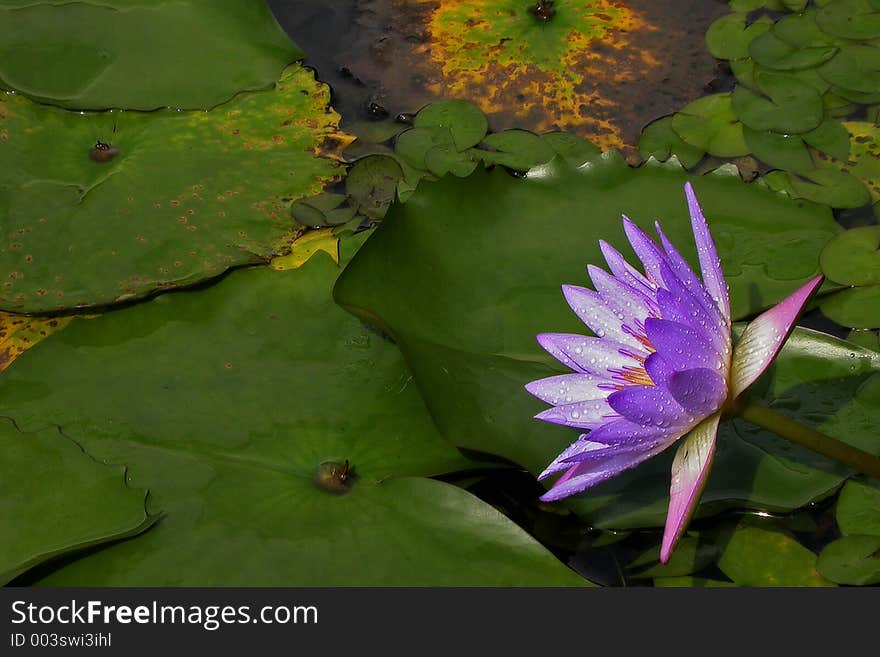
[[862, 159], [464, 120], [854, 69], [858, 508], [865, 338], [322, 210], [772, 52], [790, 105], [660, 141], [711, 125], [691, 582], [856, 307], [413, 145], [763, 556], [446, 158], [691, 554], [372, 182], [517, 149], [850, 19], [188, 195], [729, 36], [574, 149], [468, 331], [191, 54], [852, 560], [55, 500], [831, 137], [242, 439], [852, 258], [779, 151], [824, 184]]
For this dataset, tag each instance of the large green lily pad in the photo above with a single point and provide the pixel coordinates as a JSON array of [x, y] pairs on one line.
[[56, 499], [140, 54], [465, 306], [229, 432], [188, 195]]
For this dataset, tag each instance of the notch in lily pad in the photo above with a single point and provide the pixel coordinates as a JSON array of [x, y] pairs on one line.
[[334, 477]]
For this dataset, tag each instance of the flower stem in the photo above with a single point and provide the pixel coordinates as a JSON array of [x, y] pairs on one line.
[[811, 439]]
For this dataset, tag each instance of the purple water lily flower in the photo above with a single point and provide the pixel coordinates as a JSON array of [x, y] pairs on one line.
[[660, 368]]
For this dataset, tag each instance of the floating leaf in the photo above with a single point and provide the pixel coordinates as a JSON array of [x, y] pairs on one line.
[[412, 145], [691, 582], [372, 182], [850, 19], [446, 158], [468, 331], [823, 184], [854, 69], [322, 210], [856, 307], [660, 141], [863, 157], [772, 52], [189, 194], [852, 257], [245, 391], [830, 137], [852, 560], [858, 508], [55, 499], [191, 54], [791, 106], [711, 125], [691, 555], [764, 556], [517, 149], [464, 120], [729, 36], [19, 333], [307, 245], [573, 149], [779, 151]]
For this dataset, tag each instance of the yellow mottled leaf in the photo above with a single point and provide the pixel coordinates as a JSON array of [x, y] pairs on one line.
[[306, 246], [18, 333]]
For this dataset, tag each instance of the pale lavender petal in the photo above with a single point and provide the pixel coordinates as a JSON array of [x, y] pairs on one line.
[[624, 432], [646, 249], [584, 475], [588, 414], [658, 369], [625, 271], [636, 306], [681, 346], [690, 469], [678, 304], [764, 336], [589, 354], [569, 388], [710, 264], [686, 277], [700, 391], [582, 444], [652, 406], [603, 316]]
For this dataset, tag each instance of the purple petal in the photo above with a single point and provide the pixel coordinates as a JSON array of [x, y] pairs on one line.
[[584, 475], [658, 369], [646, 249], [625, 271], [681, 346], [569, 388], [637, 307], [710, 264], [764, 337], [604, 316], [582, 444], [690, 470], [685, 277], [622, 432], [700, 391], [678, 304], [588, 414], [588, 354], [652, 406]]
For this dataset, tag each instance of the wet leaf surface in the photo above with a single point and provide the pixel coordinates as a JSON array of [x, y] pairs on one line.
[[187, 196], [229, 432], [56, 499], [96, 55]]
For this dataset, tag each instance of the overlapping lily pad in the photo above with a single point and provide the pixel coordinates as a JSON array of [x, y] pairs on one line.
[[136, 54], [56, 499], [229, 433], [465, 306], [179, 196]]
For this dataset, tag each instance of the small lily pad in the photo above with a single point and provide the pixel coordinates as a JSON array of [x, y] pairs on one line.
[[856, 307], [765, 556], [464, 120], [852, 257], [517, 149], [413, 145], [824, 184], [858, 507], [371, 184], [779, 151], [691, 554], [850, 19], [790, 105], [854, 69], [660, 141], [852, 560], [831, 137], [772, 52], [711, 125], [573, 149], [729, 36]]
